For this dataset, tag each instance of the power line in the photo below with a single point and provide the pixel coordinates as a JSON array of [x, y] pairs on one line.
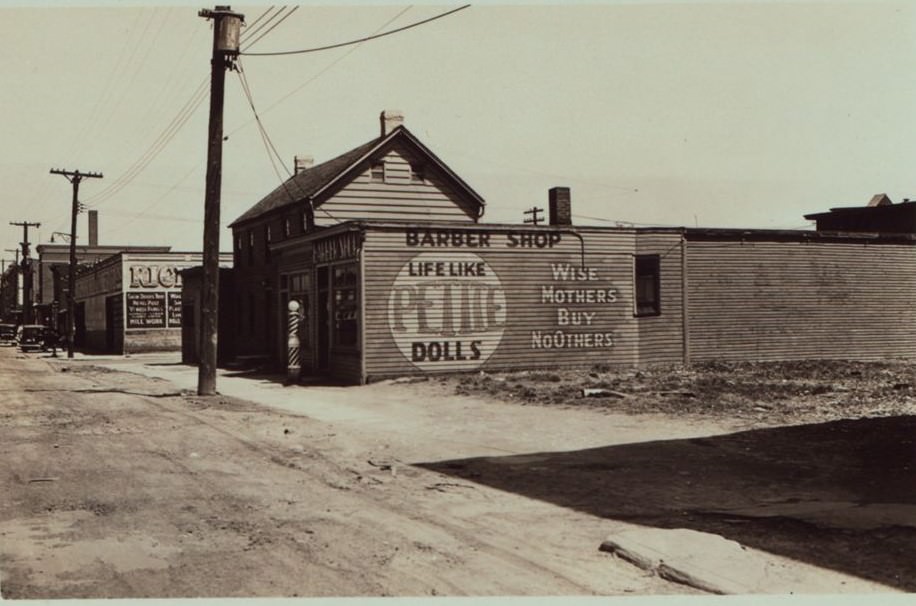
[[360, 40], [261, 16], [272, 27], [162, 140], [269, 146], [254, 29], [326, 69], [265, 138]]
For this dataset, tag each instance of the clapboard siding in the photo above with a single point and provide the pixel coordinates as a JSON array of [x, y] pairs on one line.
[[398, 197], [521, 273], [661, 337], [798, 300]]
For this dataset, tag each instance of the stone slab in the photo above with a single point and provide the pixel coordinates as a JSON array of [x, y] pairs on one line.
[[718, 565]]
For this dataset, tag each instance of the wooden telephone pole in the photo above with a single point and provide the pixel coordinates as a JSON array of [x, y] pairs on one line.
[[26, 270], [226, 29], [74, 176]]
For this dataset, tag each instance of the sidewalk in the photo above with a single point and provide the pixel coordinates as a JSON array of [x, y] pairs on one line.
[[419, 422]]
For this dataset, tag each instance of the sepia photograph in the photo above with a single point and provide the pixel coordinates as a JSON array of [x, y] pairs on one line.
[[533, 301]]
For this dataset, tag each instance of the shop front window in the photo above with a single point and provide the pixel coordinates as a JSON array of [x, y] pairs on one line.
[[345, 285]]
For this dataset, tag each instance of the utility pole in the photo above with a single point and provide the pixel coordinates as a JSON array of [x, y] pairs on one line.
[[535, 219], [226, 30], [74, 177], [26, 270]]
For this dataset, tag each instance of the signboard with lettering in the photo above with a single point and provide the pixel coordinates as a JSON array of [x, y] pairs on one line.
[[447, 307], [458, 299], [151, 276], [145, 309], [174, 308], [338, 248]]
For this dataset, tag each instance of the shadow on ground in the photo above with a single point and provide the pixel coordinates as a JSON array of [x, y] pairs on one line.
[[272, 376], [840, 495]]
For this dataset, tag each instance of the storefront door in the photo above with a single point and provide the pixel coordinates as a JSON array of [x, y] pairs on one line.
[[324, 319]]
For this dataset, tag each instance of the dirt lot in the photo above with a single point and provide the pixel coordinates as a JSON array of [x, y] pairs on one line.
[[824, 470], [758, 393], [123, 485]]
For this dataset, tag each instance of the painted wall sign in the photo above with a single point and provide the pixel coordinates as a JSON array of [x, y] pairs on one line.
[[145, 309], [459, 238], [174, 309], [577, 296], [447, 311], [154, 276]]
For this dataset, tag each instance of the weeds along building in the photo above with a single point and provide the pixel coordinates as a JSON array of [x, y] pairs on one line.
[[384, 250]]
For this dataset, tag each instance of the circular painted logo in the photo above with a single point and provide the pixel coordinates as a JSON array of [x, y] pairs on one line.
[[447, 311]]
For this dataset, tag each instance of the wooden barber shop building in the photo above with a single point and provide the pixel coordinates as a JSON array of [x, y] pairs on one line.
[[383, 250]]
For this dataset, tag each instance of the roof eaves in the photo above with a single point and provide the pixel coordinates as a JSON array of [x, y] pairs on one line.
[[444, 167], [379, 143]]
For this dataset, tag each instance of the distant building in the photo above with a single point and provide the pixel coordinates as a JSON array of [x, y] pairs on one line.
[[879, 216], [131, 302], [53, 266]]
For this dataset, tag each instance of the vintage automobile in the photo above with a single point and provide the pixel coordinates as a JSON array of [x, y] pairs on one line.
[[31, 337], [7, 334]]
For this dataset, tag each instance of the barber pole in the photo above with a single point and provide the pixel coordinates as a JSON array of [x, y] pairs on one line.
[[293, 366]]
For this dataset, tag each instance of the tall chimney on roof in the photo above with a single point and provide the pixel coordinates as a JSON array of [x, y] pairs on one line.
[[301, 163], [390, 120], [93, 228], [559, 209]]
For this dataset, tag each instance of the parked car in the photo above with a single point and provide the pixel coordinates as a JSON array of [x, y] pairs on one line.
[[7, 334], [31, 337]]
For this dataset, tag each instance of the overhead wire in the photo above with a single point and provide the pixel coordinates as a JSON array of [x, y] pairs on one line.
[[266, 138], [190, 107], [91, 123], [165, 137], [359, 40], [253, 29], [258, 18], [323, 71], [184, 114], [270, 147], [273, 27], [136, 69], [162, 140]]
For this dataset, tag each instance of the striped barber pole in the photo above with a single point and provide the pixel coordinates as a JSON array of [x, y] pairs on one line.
[[293, 366]]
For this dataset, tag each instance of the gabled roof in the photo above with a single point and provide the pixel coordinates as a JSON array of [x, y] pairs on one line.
[[320, 181]]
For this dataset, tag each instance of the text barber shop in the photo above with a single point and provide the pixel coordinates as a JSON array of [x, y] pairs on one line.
[[395, 299]]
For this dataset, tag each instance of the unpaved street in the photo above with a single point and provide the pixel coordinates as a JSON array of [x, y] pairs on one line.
[[117, 485], [117, 481]]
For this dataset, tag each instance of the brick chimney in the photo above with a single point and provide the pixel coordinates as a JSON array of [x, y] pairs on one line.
[[559, 206], [93, 228], [390, 119], [302, 163]]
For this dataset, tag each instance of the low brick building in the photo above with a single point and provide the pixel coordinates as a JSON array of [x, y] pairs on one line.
[[131, 302]]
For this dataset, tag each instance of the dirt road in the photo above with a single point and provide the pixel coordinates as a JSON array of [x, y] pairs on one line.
[[117, 485]]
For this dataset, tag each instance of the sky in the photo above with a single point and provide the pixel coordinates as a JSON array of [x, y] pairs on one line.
[[716, 114]]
